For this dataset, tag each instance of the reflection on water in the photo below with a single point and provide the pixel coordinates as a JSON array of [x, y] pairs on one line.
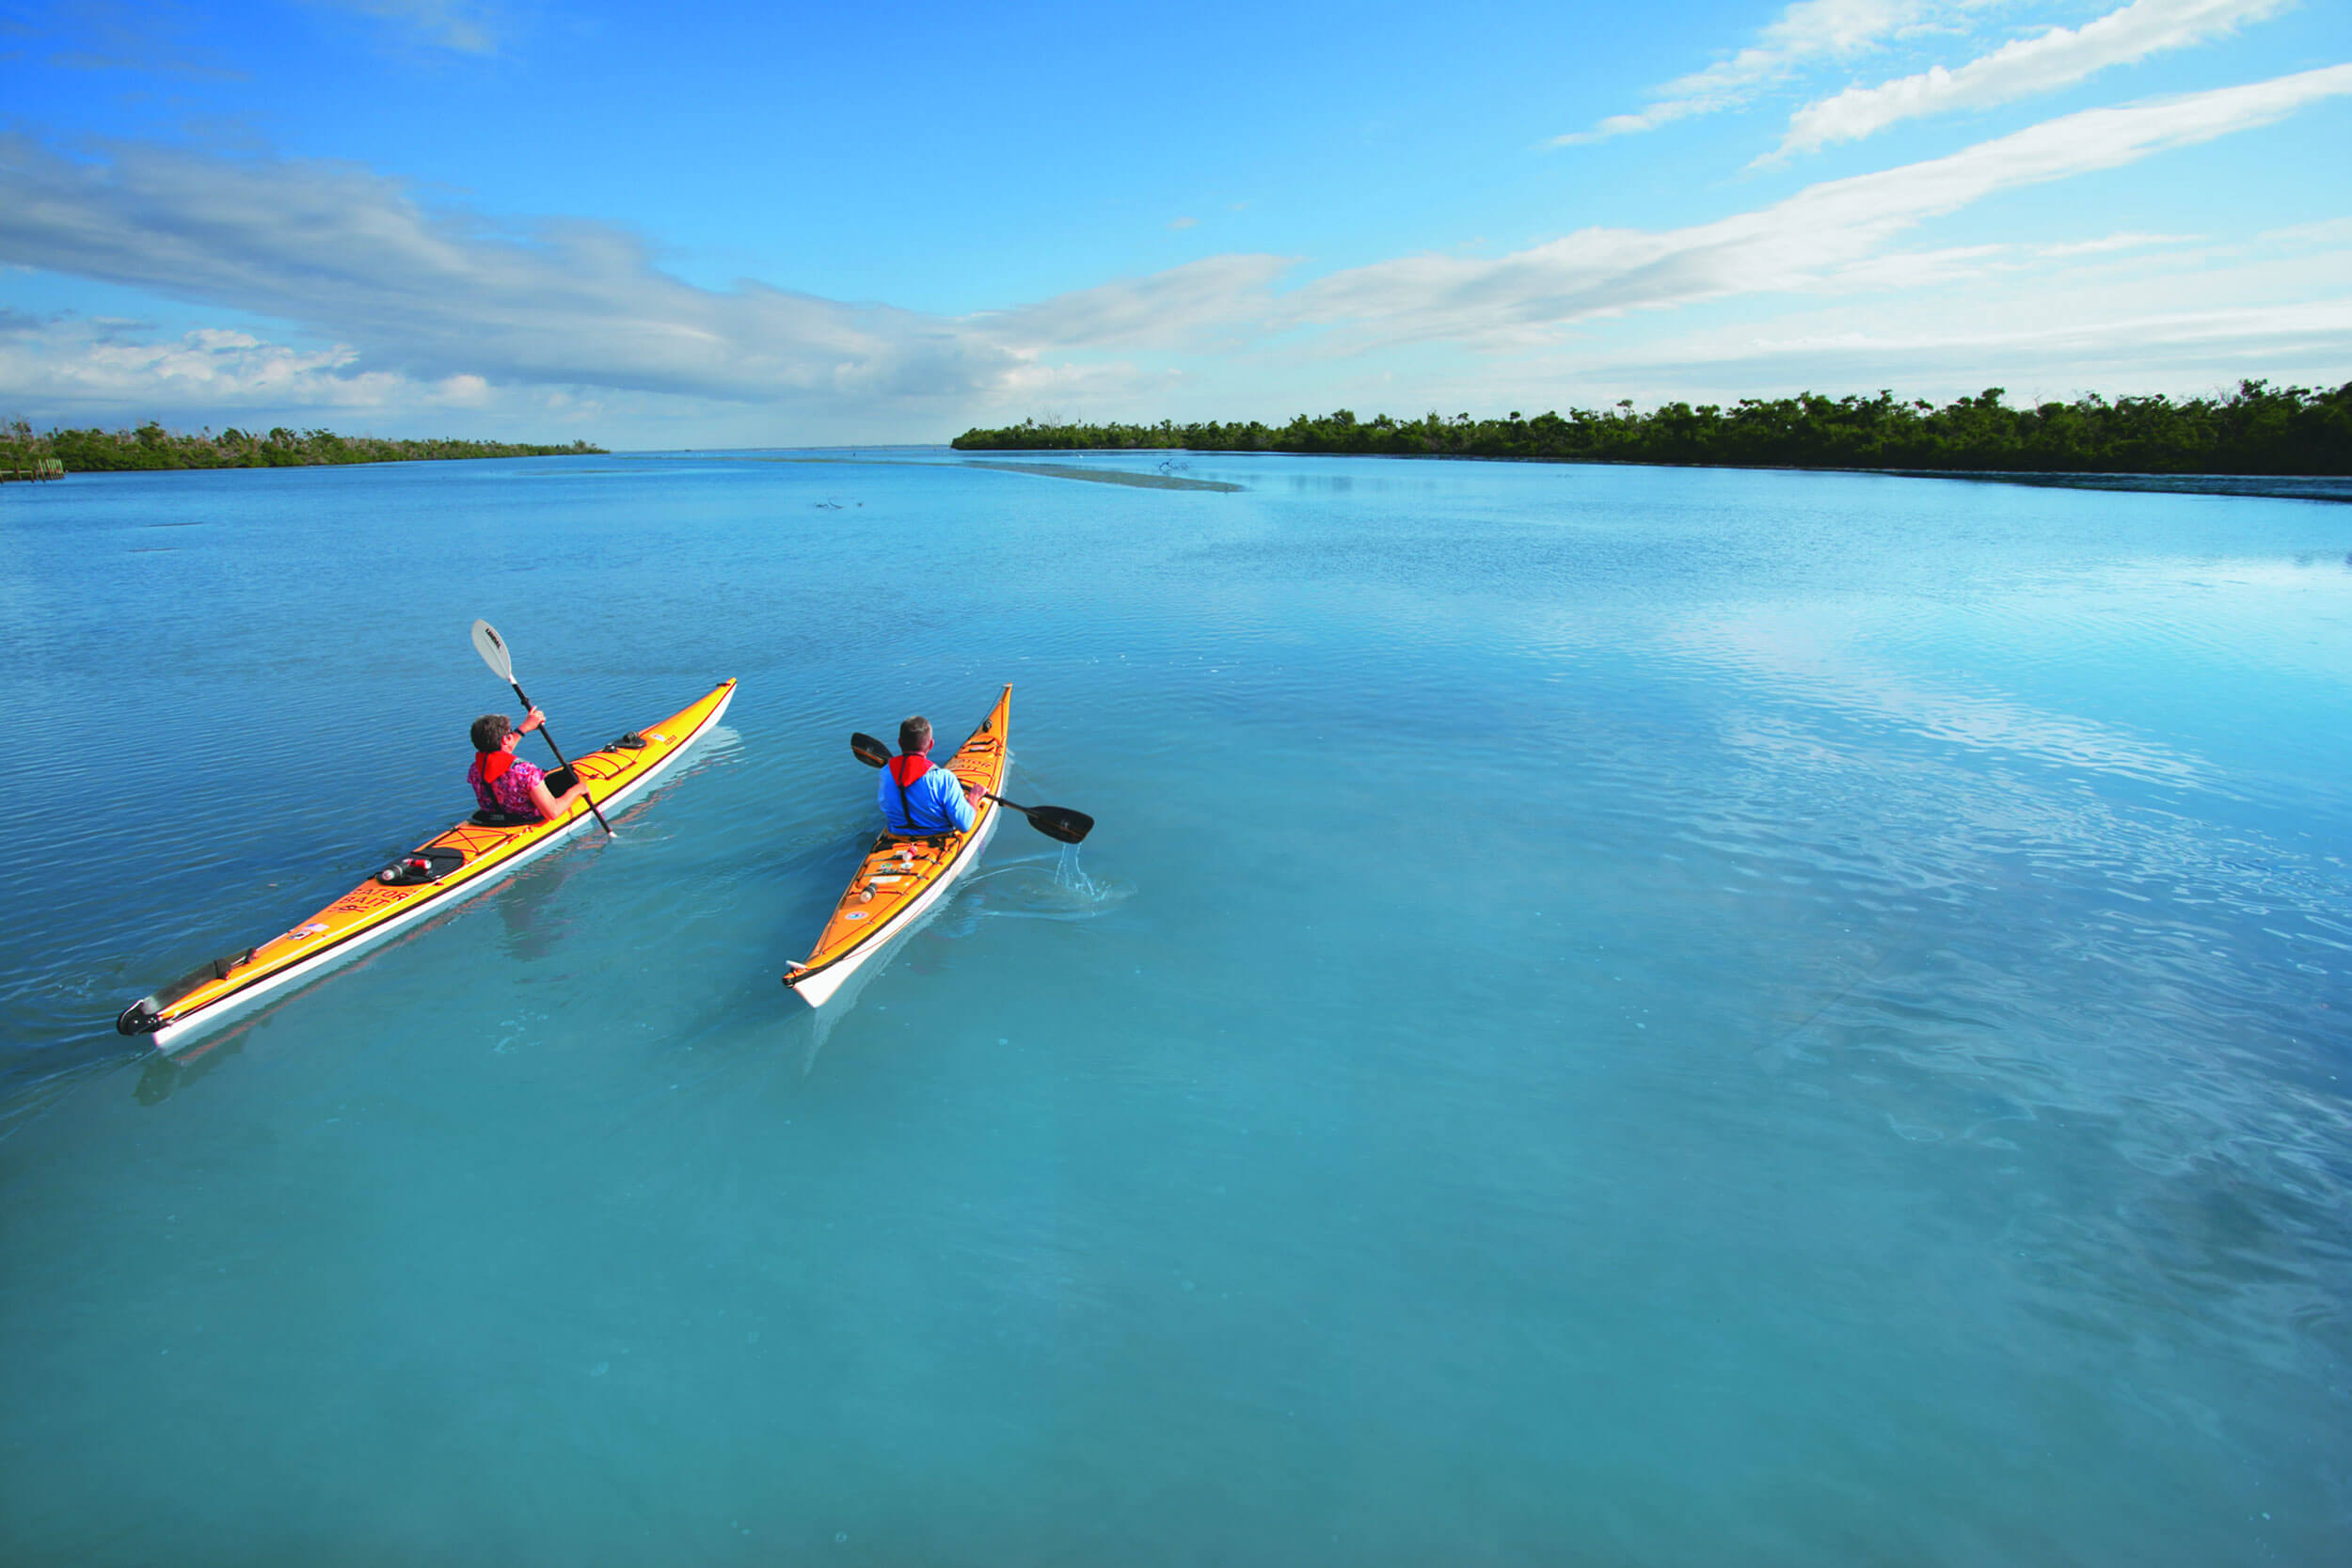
[[535, 919], [1035, 888], [164, 1076]]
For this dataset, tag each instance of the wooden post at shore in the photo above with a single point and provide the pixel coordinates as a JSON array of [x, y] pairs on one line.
[[40, 468]]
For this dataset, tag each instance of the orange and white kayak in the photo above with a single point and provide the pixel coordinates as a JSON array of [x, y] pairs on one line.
[[435, 876], [904, 879]]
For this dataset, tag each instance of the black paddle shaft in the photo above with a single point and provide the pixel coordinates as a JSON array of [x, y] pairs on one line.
[[549, 738], [1060, 822]]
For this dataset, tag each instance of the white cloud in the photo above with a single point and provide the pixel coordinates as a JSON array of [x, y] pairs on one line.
[[1805, 32], [2187, 350], [2328, 232], [2044, 322], [2054, 60], [100, 364], [118, 35], [464, 25], [1794, 244], [2117, 242], [1201, 303], [1916, 269], [355, 257]]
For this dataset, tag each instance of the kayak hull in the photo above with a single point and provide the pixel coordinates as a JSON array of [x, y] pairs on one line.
[[818, 989], [373, 911], [902, 883]]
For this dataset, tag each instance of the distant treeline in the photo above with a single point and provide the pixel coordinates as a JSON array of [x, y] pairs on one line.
[[2259, 429], [150, 446]]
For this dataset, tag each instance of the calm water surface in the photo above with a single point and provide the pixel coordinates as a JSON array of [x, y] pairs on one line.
[[1613, 1015]]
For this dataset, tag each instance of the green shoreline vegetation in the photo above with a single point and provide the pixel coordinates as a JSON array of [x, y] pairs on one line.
[[2257, 430], [150, 446]]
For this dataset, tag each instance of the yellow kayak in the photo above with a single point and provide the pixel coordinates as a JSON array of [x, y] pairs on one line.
[[434, 876], [902, 880]]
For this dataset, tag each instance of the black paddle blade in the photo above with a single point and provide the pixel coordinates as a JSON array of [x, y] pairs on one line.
[[1060, 822], [868, 750]]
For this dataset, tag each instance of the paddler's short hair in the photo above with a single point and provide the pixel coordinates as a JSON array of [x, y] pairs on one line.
[[489, 730], [914, 735]]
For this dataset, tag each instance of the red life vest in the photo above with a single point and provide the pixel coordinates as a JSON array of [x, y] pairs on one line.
[[490, 767]]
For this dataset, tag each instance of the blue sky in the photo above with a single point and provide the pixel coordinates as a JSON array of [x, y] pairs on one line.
[[720, 225]]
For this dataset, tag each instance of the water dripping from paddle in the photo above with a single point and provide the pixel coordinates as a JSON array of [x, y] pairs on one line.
[[1068, 874]]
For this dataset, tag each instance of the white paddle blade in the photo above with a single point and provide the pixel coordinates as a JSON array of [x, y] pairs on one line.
[[492, 647]]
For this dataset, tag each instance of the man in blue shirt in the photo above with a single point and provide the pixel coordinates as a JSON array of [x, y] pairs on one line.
[[918, 798]]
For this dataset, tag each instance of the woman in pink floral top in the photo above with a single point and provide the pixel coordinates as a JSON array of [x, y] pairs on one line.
[[502, 782]]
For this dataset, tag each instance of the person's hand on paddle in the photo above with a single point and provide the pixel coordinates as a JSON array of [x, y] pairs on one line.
[[492, 647]]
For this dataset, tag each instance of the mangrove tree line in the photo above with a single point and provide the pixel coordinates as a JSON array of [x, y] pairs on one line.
[[2258, 429], [150, 446]]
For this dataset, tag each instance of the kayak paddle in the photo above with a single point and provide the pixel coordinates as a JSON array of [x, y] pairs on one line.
[[1060, 822], [492, 647]]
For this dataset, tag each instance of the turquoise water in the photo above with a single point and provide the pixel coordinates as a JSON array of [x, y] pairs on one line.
[[1613, 1015]]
